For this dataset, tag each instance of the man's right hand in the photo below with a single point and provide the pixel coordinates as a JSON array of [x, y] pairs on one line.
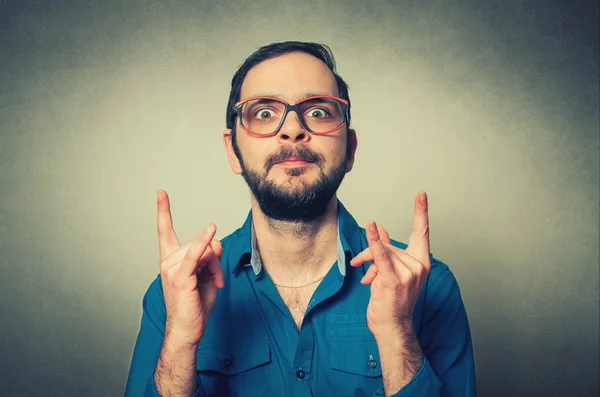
[[190, 275]]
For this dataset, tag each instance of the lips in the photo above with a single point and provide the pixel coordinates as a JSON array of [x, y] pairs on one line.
[[293, 160]]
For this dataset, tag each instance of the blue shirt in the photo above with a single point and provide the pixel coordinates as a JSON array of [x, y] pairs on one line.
[[252, 347]]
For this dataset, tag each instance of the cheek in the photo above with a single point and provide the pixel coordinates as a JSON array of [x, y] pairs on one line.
[[338, 155], [255, 152]]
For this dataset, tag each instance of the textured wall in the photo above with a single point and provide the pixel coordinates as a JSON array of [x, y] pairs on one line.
[[491, 107]]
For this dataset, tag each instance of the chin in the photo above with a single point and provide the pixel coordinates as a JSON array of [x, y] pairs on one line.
[[293, 185], [303, 172], [296, 181]]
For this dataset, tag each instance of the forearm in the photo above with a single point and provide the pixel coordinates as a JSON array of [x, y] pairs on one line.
[[175, 373], [401, 358]]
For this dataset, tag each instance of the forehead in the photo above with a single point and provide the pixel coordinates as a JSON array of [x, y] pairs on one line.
[[290, 76]]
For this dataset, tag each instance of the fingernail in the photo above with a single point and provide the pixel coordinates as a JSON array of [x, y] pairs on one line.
[[211, 228], [423, 197], [372, 226]]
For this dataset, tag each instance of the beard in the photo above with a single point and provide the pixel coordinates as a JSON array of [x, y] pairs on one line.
[[299, 202]]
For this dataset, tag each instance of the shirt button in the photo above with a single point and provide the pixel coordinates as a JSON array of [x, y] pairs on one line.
[[228, 362], [300, 374], [372, 363]]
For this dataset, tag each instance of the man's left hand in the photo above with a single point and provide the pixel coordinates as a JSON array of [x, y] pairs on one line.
[[395, 275]]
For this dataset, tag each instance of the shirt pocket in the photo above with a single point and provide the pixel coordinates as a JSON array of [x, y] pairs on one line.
[[234, 371], [356, 360]]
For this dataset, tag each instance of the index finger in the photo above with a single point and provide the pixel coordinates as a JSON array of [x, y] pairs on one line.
[[167, 239], [418, 245]]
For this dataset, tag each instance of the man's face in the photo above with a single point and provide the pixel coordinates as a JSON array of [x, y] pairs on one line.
[[294, 174]]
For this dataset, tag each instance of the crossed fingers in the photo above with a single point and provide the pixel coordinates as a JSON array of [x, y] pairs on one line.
[[391, 263], [200, 256]]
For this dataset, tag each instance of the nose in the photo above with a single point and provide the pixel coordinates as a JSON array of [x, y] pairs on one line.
[[292, 130]]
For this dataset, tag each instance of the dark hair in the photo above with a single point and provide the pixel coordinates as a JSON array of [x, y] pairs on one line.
[[319, 51]]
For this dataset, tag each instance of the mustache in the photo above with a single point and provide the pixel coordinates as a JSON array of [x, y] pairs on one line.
[[300, 151]]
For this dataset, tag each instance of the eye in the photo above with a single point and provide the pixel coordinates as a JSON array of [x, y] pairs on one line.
[[264, 114], [318, 113]]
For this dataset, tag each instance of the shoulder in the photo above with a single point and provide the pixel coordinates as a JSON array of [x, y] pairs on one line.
[[154, 291], [153, 302]]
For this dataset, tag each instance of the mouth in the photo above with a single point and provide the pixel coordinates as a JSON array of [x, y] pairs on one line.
[[293, 162]]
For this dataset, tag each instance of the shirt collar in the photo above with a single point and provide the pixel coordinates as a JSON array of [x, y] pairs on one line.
[[348, 242]]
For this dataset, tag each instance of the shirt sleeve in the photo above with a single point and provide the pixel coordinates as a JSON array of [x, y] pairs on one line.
[[140, 381], [448, 368]]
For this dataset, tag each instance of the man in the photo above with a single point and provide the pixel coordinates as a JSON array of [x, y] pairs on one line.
[[300, 301]]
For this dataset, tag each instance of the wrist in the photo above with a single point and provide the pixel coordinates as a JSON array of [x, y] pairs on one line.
[[182, 336], [400, 355], [180, 341], [397, 332]]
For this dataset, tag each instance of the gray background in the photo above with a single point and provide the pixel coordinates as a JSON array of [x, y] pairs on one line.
[[491, 107]]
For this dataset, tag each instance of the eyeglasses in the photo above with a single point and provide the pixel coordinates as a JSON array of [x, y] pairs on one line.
[[263, 116]]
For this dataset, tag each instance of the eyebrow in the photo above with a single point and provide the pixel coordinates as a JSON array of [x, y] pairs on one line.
[[307, 95]]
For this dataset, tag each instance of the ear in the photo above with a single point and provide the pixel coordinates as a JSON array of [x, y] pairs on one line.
[[234, 162], [354, 143]]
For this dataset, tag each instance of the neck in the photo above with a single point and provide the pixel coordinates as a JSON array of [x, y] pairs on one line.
[[296, 253]]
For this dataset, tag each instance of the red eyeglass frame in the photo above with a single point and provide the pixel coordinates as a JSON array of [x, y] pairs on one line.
[[288, 108]]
